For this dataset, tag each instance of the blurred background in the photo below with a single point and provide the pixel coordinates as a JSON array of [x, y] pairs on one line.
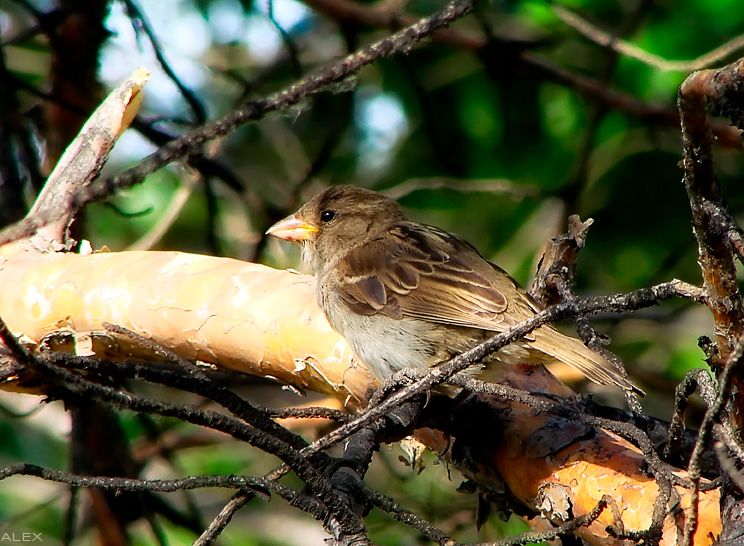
[[497, 132]]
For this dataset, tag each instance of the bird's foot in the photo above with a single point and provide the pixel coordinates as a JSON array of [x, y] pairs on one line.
[[400, 379]]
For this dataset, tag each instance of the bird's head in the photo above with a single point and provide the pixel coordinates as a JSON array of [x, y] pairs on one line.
[[336, 221]]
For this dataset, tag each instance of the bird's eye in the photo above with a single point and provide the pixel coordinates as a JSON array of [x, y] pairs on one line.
[[327, 215]]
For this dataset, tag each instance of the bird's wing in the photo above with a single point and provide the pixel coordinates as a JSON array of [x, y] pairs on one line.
[[434, 276], [428, 274]]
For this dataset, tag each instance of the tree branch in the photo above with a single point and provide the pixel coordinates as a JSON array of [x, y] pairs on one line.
[[294, 342]]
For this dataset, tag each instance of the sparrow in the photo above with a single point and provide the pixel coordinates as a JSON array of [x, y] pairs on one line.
[[410, 295]]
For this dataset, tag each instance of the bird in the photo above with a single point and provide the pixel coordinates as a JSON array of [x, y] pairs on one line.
[[410, 295]]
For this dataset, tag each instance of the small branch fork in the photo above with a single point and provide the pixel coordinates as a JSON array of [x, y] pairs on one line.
[[552, 285]]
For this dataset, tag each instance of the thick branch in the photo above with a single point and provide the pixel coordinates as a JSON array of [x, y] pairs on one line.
[[715, 255], [719, 238], [251, 318]]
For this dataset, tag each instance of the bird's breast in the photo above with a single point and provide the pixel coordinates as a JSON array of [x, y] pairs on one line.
[[387, 345]]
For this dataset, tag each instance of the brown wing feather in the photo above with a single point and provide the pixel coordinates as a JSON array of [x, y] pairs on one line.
[[403, 275]]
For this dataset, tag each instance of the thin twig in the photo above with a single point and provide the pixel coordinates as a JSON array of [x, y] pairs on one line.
[[562, 530], [257, 485], [140, 23], [168, 217], [289, 42], [487, 185], [407, 517], [728, 466], [627, 49], [220, 521], [713, 415]]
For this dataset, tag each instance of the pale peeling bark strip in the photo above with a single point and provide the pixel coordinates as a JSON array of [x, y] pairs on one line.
[[237, 315]]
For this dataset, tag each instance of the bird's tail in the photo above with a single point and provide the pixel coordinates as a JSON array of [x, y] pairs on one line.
[[573, 352]]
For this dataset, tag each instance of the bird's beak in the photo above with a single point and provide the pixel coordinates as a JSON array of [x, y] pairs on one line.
[[292, 229]]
